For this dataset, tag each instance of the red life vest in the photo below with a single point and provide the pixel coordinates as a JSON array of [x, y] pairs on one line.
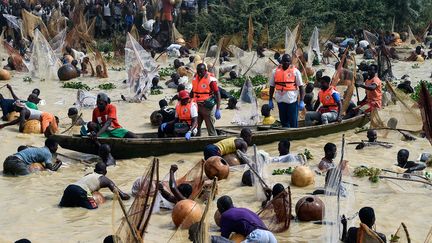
[[327, 101], [285, 80], [184, 112], [201, 87]]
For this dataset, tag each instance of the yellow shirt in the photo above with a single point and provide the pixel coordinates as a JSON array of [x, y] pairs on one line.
[[227, 146], [270, 120]]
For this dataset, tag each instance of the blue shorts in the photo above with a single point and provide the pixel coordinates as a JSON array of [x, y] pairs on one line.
[[211, 150]]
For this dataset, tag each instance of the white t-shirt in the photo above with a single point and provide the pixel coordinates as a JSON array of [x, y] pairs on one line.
[[288, 97], [363, 44]]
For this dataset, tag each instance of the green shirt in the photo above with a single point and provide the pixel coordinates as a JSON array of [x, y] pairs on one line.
[[31, 105]]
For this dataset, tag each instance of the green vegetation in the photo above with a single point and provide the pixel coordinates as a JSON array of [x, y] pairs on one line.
[[288, 171], [76, 85], [156, 92], [106, 86], [416, 95], [27, 79], [415, 66], [166, 72], [307, 153], [372, 173], [230, 17]]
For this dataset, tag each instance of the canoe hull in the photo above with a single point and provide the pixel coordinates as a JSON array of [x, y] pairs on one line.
[[145, 147]]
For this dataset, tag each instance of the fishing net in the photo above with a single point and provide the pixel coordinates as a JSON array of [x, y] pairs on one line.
[[175, 33], [277, 214], [289, 43], [248, 114], [429, 237], [140, 67], [85, 99], [195, 42], [13, 22], [401, 235], [204, 224], [366, 235], [264, 37], [17, 60], [313, 48], [235, 40], [370, 37], [194, 177], [56, 23], [134, 32], [340, 198], [411, 40], [44, 63], [250, 36], [96, 57], [57, 43], [425, 103], [134, 223], [205, 46], [30, 23], [327, 32]]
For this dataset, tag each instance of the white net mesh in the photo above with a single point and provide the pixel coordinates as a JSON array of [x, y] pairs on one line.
[[370, 37], [57, 43], [248, 106], [313, 48], [140, 67], [411, 37], [290, 40], [44, 63]]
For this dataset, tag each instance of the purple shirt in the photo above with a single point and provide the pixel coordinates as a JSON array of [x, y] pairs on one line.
[[241, 221]]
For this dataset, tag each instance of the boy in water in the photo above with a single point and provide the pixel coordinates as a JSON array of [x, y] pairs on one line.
[[411, 166]]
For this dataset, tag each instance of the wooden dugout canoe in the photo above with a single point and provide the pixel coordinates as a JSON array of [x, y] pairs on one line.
[[148, 144]]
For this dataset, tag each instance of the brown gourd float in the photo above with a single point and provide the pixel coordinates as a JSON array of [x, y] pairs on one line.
[[98, 197], [216, 167], [67, 72], [310, 208], [310, 71], [185, 213], [231, 159], [13, 116], [32, 126], [302, 176], [4, 74]]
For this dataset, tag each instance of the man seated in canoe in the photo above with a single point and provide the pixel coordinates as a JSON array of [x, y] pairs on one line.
[[104, 120], [410, 166], [83, 192], [46, 119], [242, 221], [229, 145], [20, 163], [367, 219], [373, 87], [330, 108], [186, 119]]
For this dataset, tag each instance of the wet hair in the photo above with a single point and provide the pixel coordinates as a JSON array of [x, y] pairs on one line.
[[72, 111], [23, 241], [285, 143], [180, 87], [245, 132], [21, 148], [367, 216], [309, 88], [155, 80], [277, 189], [232, 102], [265, 110], [100, 168], [162, 103], [233, 74], [329, 147], [247, 178], [286, 57], [224, 203], [194, 231], [185, 189], [74, 62], [177, 63], [36, 92], [191, 58], [50, 142], [105, 148], [326, 79]]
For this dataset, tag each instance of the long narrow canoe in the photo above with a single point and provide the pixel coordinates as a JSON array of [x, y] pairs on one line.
[[148, 144]]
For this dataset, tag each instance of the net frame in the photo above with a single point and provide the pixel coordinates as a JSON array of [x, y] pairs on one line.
[[276, 215]]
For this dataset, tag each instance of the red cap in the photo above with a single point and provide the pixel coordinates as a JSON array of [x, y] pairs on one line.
[[183, 94]]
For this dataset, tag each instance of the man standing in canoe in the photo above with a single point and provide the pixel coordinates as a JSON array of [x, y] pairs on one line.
[[373, 87], [186, 117], [19, 163], [104, 120], [229, 145], [206, 94], [286, 84]]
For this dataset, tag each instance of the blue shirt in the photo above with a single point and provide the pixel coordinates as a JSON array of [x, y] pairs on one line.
[[336, 97], [6, 106], [241, 221], [35, 155]]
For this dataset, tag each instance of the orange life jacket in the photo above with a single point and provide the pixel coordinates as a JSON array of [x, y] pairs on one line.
[[374, 97], [201, 87], [327, 100], [285, 80], [184, 112]]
